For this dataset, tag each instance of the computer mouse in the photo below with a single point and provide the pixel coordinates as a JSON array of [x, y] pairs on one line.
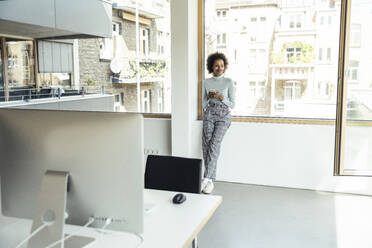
[[179, 198]]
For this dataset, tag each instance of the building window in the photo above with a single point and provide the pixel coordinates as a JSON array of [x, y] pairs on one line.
[[320, 54], [329, 54], [160, 100], [352, 71], [323, 89], [116, 28], [221, 14], [161, 43], [144, 41], [257, 90], [355, 35], [221, 40], [261, 29], [296, 21], [257, 28], [253, 29], [292, 53], [292, 90], [146, 101]]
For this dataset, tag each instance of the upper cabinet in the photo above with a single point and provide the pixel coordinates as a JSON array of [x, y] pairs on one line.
[[55, 18]]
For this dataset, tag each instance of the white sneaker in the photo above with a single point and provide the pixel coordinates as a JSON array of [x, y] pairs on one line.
[[209, 187], [204, 183]]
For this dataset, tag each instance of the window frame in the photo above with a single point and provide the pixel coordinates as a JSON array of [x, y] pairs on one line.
[[254, 119], [338, 122], [342, 96]]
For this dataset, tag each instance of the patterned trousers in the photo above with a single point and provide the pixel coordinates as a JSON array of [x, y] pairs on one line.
[[216, 121]]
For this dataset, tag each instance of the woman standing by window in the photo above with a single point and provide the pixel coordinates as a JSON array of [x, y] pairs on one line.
[[218, 98]]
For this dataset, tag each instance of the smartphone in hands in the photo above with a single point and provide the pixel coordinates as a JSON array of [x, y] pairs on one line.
[[211, 93]]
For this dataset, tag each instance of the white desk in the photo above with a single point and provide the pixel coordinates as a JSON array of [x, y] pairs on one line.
[[167, 225]]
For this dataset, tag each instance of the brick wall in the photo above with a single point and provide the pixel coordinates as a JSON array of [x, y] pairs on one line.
[[91, 67]]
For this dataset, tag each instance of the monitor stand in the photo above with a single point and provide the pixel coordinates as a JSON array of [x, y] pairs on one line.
[[51, 211]]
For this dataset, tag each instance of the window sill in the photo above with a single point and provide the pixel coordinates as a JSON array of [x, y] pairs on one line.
[[157, 115], [281, 120]]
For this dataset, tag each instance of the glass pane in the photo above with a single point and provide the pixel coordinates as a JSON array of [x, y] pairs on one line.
[[358, 129], [55, 79], [291, 53], [20, 64], [150, 71], [1, 72], [288, 93]]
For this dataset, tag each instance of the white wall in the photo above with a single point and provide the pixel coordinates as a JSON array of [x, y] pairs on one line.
[[157, 133], [184, 69], [286, 155]]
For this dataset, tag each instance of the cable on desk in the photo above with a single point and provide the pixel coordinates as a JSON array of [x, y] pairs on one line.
[[109, 221], [91, 220], [37, 230]]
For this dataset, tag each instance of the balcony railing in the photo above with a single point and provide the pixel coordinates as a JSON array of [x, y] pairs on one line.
[[28, 94]]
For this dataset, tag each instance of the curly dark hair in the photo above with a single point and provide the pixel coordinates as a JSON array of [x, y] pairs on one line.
[[213, 57]]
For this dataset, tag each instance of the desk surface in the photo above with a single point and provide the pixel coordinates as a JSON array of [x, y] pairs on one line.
[[167, 225]]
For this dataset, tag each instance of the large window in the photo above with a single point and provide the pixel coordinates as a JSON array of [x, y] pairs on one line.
[[291, 46], [354, 119], [141, 52], [1, 66]]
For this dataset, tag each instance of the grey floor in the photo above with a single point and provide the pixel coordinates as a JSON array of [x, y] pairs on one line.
[[268, 217]]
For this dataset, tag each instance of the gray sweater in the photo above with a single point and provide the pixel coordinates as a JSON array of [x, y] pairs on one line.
[[221, 84]]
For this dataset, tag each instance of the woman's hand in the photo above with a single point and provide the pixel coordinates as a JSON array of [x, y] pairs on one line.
[[215, 95], [218, 96]]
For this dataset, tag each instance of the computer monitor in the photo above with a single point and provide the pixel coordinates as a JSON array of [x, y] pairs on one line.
[[101, 152]]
